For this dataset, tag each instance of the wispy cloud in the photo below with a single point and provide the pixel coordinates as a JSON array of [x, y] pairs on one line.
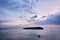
[[18, 5], [29, 11], [17, 9], [51, 20]]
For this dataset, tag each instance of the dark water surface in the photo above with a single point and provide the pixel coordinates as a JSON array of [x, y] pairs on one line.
[[20, 34]]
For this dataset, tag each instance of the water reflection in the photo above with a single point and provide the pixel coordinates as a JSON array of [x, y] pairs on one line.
[[20, 34]]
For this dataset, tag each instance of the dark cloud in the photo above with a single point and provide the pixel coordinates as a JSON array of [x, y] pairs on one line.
[[1, 21], [35, 16], [51, 20], [32, 18], [43, 16]]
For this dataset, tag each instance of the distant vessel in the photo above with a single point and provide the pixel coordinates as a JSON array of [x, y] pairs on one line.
[[36, 28]]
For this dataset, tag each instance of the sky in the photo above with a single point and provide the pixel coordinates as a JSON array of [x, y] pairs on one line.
[[29, 12]]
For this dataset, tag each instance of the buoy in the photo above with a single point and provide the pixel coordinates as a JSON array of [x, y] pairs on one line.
[[38, 36]]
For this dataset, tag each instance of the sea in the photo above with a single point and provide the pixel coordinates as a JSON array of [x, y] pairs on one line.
[[22, 34]]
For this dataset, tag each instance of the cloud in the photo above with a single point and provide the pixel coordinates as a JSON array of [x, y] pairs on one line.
[[4, 21], [3, 14], [43, 16], [18, 5], [34, 17], [29, 11], [55, 19], [17, 9], [1, 21]]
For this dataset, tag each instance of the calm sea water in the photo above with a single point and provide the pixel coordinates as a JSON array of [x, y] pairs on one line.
[[21, 34]]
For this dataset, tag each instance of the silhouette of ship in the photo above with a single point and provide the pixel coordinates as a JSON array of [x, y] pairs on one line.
[[36, 28]]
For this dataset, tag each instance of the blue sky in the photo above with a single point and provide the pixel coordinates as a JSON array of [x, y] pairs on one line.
[[32, 12]]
